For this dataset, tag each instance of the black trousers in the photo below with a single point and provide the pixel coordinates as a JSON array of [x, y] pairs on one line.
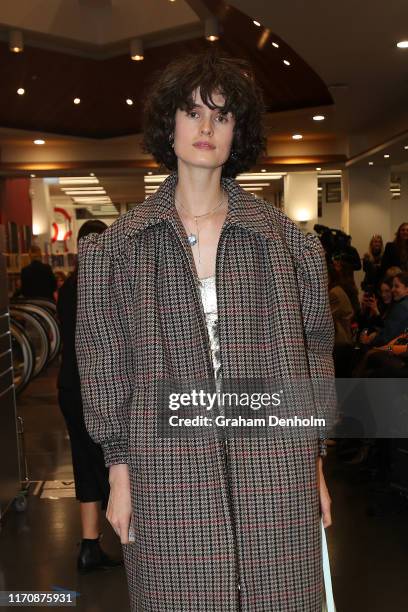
[[90, 473]]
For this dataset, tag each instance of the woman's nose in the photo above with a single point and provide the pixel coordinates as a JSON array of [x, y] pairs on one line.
[[206, 127]]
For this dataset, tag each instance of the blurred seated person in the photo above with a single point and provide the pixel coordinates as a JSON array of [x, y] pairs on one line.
[[374, 308], [342, 313], [396, 252], [345, 278], [37, 279], [396, 320], [372, 263]]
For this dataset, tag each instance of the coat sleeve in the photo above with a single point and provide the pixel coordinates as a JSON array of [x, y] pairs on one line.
[[318, 327], [103, 348], [309, 261]]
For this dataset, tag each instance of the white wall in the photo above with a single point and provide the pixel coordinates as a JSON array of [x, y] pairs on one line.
[[300, 189], [369, 207], [369, 202], [331, 211]]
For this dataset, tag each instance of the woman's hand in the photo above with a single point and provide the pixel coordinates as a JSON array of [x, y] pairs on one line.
[[366, 338], [325, 500], [373, 306], [119, 510]]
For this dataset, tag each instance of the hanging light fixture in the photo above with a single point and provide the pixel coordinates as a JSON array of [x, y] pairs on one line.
[[16, 43], [212, 29], [136, 49]]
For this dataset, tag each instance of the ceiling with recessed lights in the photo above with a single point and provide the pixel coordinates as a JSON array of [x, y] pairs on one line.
[[109, 90], [340, 62]]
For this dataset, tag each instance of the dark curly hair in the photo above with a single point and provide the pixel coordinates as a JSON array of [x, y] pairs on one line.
[[212, 73]]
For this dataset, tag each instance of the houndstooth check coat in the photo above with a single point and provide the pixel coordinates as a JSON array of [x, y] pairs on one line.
[[211, 535]]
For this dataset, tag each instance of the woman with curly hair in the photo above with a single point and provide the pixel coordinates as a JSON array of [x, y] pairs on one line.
[[205, 282]]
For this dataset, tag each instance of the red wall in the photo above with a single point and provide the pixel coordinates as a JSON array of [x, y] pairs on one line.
[[15, 203]]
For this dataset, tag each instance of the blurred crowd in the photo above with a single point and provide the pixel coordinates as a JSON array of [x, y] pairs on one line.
[[371, 324]]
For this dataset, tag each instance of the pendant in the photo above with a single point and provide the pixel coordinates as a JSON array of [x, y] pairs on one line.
[[192, 239]]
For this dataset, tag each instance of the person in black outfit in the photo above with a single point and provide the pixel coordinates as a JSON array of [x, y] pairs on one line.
[[90, 474], [396, 252], [37, 279]]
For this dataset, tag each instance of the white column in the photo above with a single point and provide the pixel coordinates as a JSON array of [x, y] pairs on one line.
[[42, 213], [369, 207], [300, 198]]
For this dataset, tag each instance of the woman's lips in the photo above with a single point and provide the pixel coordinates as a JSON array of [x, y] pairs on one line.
[[203, 145]]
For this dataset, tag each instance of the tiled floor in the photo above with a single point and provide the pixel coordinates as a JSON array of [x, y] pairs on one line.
[[368, 542]]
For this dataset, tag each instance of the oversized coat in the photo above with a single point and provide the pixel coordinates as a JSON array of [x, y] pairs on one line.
[[214, 532]]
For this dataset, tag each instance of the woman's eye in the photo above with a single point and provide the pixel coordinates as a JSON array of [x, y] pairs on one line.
[[223, 118], [192, 113]]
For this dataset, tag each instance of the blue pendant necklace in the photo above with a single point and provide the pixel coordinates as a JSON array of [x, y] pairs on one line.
[[194, 238]]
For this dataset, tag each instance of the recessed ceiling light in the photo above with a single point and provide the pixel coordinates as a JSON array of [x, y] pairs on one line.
[[77, 100], [136, 49], [92, 174], [406, 147], [275, 44], [32, 175], [21, 91], [319, 118], [286, 62], [150, 173], [211, 29], [402, 44], [39, 141], [16, 43], [129, 101], [256, 23], [263, 170], [371, 163], [297, 136], [318, 169], [386, 155]]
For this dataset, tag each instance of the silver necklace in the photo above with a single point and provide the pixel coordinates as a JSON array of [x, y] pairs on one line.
[[194, 239]]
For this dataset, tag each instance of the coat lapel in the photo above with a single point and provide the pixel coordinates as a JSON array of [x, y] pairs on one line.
[[244, 210]]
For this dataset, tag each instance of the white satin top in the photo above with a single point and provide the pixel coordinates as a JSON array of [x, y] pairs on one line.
[[209, 300]]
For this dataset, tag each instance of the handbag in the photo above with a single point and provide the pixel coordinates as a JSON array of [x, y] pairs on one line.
[[328, 600]]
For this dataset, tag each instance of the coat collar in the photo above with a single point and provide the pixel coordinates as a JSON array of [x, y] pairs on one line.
[[244, 209]]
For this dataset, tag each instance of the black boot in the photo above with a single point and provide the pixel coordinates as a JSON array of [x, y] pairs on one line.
[[91, 557]]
